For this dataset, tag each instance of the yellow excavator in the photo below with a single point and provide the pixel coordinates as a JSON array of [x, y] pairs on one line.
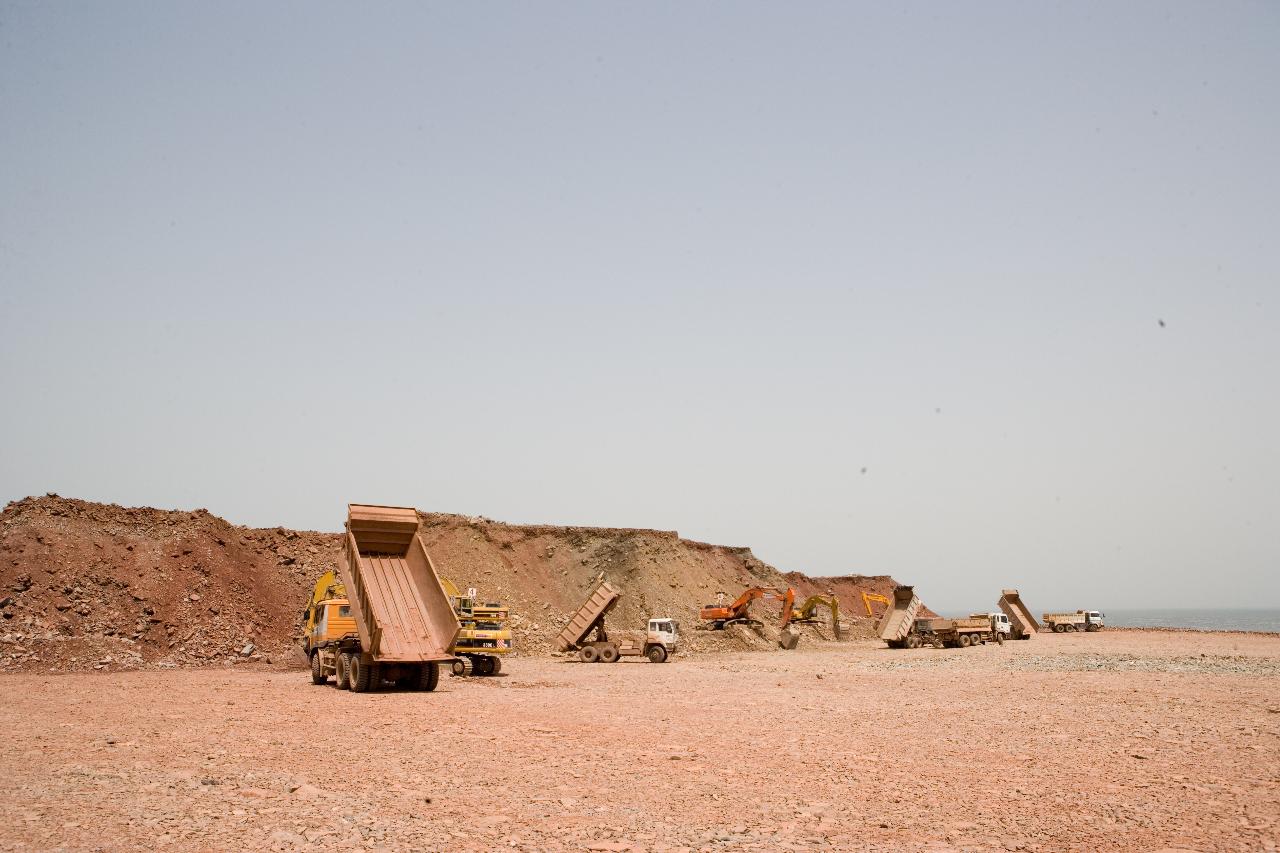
[[868, 597], [805, 613], [484, 634]]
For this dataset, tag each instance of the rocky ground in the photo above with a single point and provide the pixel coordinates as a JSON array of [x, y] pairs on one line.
[[1113, 741]]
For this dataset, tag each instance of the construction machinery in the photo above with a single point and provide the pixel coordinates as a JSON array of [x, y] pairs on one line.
[[1022, 625], [399, 625], [658, 644], [1080, 620], [868, 597], [957, 633], [721, 614], [484, 634], [807, 612], [895, 625]]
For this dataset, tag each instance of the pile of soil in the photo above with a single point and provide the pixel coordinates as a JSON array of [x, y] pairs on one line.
[[98, 586]]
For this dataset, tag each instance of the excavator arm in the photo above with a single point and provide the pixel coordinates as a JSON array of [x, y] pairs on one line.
[[868, 597]]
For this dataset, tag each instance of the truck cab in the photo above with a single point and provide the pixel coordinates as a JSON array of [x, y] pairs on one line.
[[1000, 625], [327, 622], [663, 632], [1094, 620]]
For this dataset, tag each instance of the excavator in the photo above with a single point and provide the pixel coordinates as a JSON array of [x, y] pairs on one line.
[[720, 614], [868, 597], [805, 613]]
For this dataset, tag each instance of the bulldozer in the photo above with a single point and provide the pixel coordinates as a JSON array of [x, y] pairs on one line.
[[806, 612]]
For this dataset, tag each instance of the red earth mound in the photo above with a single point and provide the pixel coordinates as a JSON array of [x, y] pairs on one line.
[[99, 586]]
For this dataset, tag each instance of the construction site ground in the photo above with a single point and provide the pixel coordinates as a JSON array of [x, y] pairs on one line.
[[1124, 740]]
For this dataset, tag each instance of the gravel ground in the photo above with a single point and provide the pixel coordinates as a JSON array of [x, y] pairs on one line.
[[1111, 741]]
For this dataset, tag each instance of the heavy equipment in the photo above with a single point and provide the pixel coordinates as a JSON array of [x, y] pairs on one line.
[[399, 624], [958, 633], [805, 613], [1081, 620], [720, 614], [868, 597], [895, 625], [1021, 623], [658, 644], [484, 633]]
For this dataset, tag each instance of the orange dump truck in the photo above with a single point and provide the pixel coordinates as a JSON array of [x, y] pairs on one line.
[[399, 622]]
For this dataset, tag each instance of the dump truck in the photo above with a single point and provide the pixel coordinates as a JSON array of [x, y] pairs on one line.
[[1080, 620], [1022, 625], [396, 622], [484, 634], [658, 644], [895, 625]]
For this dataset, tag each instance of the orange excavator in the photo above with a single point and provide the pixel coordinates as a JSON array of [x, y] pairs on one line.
[[720, 614]]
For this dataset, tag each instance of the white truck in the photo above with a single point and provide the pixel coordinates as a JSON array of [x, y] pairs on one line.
[[1080, 620], [658, 644]]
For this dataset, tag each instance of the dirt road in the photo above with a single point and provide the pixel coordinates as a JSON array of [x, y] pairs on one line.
[[1113, 741]]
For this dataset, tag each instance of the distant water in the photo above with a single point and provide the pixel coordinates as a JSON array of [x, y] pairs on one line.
[[1236, 619]]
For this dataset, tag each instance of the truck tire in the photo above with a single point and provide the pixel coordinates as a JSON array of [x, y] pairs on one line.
[[428, 676], [589, 654], [343, 666], [317, 669], [609, 654], [360, 675], [656, 654], [913, 642], [1070, 627], [1058, 628], [964, 641]]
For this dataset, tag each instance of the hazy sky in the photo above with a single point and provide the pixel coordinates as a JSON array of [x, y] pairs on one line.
[[868, 287]]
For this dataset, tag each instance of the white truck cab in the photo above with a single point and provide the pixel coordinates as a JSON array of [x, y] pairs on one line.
[[663, 632]]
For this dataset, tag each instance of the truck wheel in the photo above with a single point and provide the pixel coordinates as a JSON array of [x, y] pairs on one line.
[[317, 669], [1071, 628], [1000, 639], [913, 642], [428, 676], [343, 667], [360, 675], [588, 654], [1057, 629], [656, 654], [609, 654], [964, 641]]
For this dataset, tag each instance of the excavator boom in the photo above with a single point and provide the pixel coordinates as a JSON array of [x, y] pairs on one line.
[[868, 597]]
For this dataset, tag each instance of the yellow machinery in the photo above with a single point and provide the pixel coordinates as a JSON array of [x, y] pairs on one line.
[[805, 613], [484, 634], [868, 597]]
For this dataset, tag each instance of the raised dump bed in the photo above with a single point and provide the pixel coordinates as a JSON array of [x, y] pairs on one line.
[[1023, 624], [658, 644], [898, 619], [405, 623]]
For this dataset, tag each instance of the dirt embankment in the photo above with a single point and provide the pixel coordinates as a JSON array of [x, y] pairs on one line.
[[98, 586]]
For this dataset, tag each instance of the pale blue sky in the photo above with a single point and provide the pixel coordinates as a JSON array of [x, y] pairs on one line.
[[686, 266]]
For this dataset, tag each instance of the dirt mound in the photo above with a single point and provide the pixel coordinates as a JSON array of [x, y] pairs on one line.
[[96, 586], [87, 585]]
